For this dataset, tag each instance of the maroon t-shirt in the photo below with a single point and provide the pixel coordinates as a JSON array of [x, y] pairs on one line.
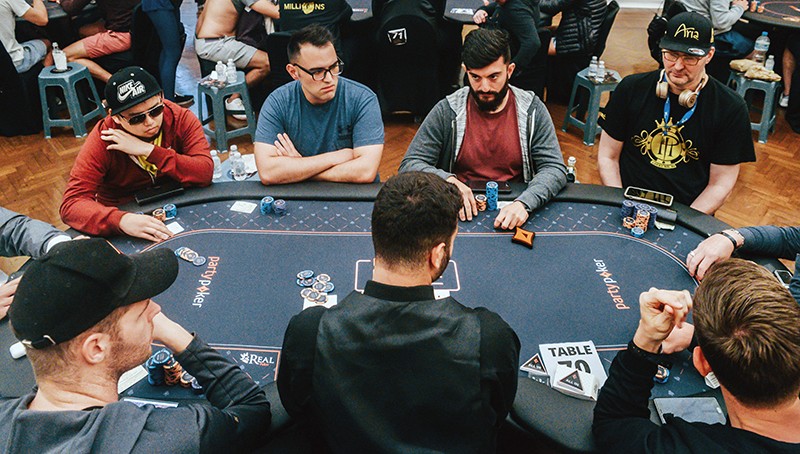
[[491, 148]]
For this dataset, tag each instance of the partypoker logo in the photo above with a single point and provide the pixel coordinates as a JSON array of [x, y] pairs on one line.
[[687, 32], [205, 282], [612, 287], [130, 88]]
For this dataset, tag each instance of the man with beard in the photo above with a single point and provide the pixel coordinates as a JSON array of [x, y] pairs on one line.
[[84, 314], [145, 141], [394, 369], [490, 131]]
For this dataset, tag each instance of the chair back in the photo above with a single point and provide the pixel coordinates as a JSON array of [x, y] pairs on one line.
[[276, 44], [605, 28]]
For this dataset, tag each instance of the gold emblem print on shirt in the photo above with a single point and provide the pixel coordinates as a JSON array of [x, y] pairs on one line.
[[668, 150]]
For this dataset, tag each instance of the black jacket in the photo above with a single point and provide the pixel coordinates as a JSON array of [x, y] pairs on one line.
[[580, 24]]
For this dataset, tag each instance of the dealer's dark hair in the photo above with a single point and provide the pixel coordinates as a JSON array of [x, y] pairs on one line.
[[314, 34], [748, 326], [483, 46], [414, 212]]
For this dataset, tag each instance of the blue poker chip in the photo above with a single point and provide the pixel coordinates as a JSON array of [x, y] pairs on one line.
[[322, 298], [161, 357], [662, 375], [305, 274], [318, 286], [328, 287], [637, 232]]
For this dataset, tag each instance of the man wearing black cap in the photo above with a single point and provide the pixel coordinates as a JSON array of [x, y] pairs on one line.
[[84, 314], [677, 130], [145, 141]]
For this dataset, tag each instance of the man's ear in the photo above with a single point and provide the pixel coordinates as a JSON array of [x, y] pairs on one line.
[[292, 70], [96, 348], [700, 362], [511, 68], [436, 256]]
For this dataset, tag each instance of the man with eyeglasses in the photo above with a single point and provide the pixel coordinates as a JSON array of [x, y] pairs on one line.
[[144, 142], [320, 126], [655, 137]]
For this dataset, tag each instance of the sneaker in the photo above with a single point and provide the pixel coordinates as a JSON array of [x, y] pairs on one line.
[[235, 108], [783, 101], [184, 100]]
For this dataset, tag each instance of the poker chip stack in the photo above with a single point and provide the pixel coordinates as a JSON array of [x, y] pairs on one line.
[[279, 207], [160, 214], [626, 211], [155, 367], [653, 216], [315, 289], [172, 372], [266, 205], [170, 210], [480, 201], [190, 256], [491, 196], [642, 218]]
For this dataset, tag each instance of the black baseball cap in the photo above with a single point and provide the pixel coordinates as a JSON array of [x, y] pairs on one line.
[[80, 282], [690, 33], [129, 87]]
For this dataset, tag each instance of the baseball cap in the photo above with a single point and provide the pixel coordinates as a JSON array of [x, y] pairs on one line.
[[689, 33], [129, 87], [78, 283]]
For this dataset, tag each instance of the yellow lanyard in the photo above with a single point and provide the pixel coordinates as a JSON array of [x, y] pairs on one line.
[[146, 165]]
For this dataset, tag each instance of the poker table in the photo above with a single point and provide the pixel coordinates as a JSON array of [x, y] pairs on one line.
[[779, 13], [580, 282]]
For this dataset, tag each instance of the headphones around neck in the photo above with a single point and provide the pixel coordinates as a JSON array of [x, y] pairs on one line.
[[687, 98]]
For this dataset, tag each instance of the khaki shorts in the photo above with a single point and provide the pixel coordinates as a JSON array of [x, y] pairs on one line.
[[222, 49]]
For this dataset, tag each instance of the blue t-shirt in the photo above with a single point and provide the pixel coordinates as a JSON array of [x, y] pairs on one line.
[[351, 119]]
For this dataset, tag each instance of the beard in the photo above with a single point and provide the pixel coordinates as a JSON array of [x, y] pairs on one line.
[[127, 355], [494, 102]]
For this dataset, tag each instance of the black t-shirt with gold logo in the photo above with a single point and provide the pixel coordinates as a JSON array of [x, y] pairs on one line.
[[679, 161], [296, 14]]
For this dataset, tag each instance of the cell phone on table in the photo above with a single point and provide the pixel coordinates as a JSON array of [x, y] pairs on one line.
[[690, 409], [784, 276], [480, 186], [167, 189], [647, 195]]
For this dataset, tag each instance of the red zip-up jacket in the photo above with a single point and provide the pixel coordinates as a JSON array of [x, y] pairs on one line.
[[102, 179]]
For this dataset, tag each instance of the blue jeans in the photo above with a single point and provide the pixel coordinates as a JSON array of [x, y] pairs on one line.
[[170, 32]]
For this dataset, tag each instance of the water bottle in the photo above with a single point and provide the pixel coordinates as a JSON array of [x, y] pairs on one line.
[[601, 72], [592, 74], [770, 64], [231, 71], [237, 165], [762, 46], [59, 58], [220, 68], [572, 176], [217, 165]]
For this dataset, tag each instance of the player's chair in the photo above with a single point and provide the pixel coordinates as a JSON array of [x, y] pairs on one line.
[[589, 126], [68, 82], [742, 85], [216, 111]]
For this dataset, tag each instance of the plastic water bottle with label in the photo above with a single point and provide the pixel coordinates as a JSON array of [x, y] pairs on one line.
[[217, 165], [59, 58], [601, 72], [592, 74], [761, 48], [220, 68], [237, 164], [770, 64], [231, 71]]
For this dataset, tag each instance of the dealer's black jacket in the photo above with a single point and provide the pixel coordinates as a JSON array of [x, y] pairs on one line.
[[394, 370], [580, 23], [622, 420]]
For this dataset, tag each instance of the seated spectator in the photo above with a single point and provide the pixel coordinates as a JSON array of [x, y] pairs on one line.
[[215, 40], [84, 314], [519, 18], [23, 55], [501, 133], [21, 235], [114, 38], [769, 241], [723, 15], [748, 335], [574, 42], [145, 141], [690, 149], [328, 13], [455, 389], [320, 126]]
